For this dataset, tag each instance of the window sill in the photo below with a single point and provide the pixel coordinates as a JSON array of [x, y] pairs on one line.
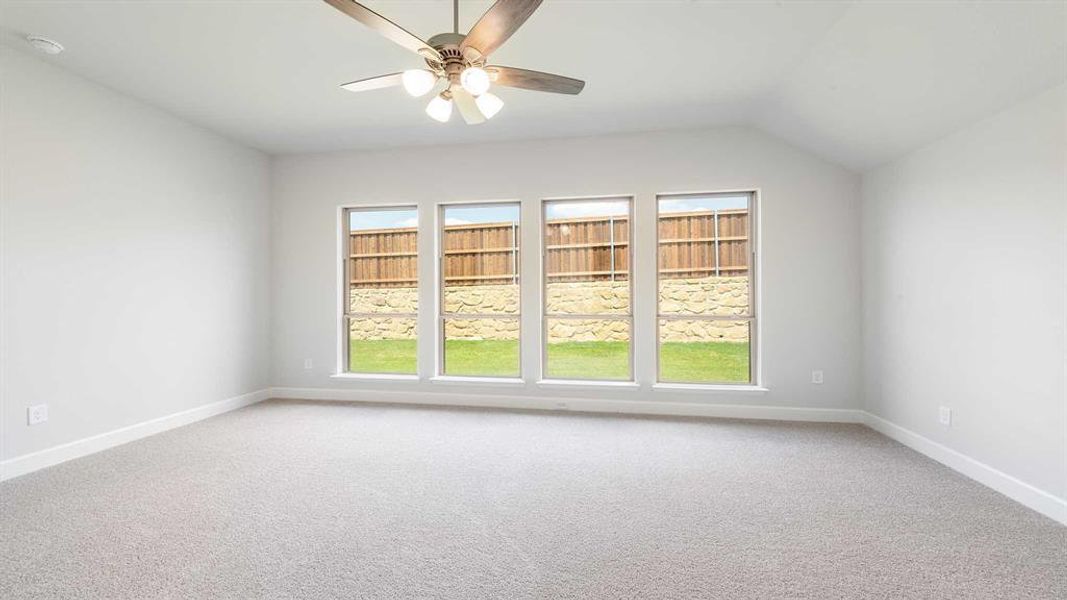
[[375, 376], [583, 383], [708, 387], [487, 381]]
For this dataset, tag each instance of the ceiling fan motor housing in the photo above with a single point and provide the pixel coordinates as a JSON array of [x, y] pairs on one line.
[[454, 59]]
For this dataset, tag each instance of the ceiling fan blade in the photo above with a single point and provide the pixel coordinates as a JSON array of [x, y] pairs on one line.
[[468, 108], [534, 80], [497, 24], [374, 83], [385, 27]]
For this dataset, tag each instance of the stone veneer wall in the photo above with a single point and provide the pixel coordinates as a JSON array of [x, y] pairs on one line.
[[720, 296]]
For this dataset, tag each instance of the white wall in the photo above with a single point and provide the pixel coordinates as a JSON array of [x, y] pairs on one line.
[[963, 290], [810, 253], [135, 260]]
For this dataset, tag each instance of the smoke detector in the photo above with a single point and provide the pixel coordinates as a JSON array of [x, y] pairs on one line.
[[44, 44]]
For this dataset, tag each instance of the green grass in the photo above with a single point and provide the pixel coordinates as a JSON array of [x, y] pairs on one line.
[[382, 356], [474, 358], [588, 360], [704, 362], [482, 358], [695, 362]]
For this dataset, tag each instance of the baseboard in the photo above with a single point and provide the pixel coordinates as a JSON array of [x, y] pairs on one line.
[[27, 463], [1043, 502], [577, 404]]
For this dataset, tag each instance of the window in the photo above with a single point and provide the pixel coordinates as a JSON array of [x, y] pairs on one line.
[[706, 317], [587, 317], [479, 254], [382, 299]]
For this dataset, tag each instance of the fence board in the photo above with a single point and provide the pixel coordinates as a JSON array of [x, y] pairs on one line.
[[694, 244]]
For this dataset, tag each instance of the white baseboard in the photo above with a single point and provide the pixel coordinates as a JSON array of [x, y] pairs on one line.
[[27, 463], [1043, 502], [577, 404]]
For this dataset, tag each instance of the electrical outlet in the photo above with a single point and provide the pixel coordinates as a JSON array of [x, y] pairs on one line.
[[562, 406], [816, 376], [37, 414], [944, 416], [309, 364]]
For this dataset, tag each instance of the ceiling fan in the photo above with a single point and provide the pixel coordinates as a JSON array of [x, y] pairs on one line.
[[459, 61]]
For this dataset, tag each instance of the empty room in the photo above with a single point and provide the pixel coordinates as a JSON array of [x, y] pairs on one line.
[[533, 299]]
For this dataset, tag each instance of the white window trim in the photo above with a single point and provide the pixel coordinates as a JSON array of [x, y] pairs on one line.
[[628, 316], [704, 388], [644, 304], [439, 293], [344, 316], [754, 270], [376, 376], [479, 380]]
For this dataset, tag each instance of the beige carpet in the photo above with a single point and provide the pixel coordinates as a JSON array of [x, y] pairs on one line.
[[310, 500]]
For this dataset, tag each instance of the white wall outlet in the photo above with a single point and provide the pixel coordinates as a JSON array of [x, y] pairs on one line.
[[37, 414], [944, 415], [309, 364], [562, 406], [816, 376]]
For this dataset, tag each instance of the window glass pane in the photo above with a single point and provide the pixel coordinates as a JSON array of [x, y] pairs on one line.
[[481, 259], [588, 349], [587, 256], [482, 347], [382, 345], [485, 299], [704, 351], [383, 261], [384, 300], [704, 255]]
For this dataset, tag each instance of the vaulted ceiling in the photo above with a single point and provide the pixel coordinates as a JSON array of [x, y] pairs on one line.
[[855, 82]]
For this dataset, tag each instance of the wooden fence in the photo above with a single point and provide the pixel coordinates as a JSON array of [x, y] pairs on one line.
[[692, 244]]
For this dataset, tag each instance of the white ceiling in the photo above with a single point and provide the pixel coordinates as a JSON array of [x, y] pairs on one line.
[[856, 82]]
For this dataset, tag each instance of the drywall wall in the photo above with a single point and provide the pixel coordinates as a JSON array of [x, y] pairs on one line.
[[135, 260], [809, 253], [963, 291]]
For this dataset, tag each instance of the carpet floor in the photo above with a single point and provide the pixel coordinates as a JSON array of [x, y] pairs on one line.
[[290, 499]]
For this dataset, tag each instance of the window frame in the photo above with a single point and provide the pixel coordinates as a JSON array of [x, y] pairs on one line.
[[628, 317], [439, 283], [346, 315], [752, 318]]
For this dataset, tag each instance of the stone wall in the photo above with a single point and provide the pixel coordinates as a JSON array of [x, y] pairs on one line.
[[719, 296]]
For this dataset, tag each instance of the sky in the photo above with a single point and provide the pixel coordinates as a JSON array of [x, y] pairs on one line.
[[465, 215], [383, 219], [559, 209], [569, 209], [694, 203]]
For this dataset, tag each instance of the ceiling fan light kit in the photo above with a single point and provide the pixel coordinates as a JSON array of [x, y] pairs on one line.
[[440, 108], [418, 82], [460, 61], [489, 104], [475, 80]]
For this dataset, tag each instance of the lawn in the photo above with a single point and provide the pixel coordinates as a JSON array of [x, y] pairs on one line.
[[680, 361]]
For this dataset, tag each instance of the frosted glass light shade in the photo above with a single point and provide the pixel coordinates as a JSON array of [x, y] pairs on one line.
[[418, 82], [489, 104], [440, 109], [475, 80]]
